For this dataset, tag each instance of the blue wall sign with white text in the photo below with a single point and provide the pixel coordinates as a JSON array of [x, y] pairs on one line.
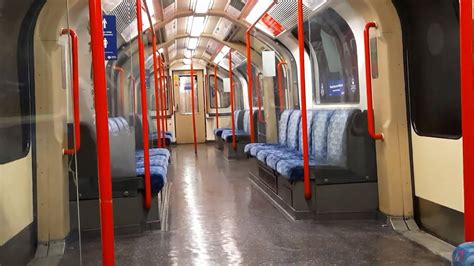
[[109, 25], [336, 88]]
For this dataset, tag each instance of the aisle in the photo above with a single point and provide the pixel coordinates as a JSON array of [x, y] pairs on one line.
[[217, 217]]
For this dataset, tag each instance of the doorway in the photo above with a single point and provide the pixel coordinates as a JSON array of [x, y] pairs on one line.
[[183, 114]]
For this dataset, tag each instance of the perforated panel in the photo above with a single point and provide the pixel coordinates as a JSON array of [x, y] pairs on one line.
[[284, 12], [125, 13]]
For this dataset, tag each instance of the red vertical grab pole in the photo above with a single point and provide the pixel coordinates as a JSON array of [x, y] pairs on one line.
[[146, 150], [102, 127], [193, 107], [155, 78], [165, 112], [280, 85], [234, 145], [467, 109], [216, 101], [121, 73], [159, 106], [368, 78], [75, 92], [250, 85], [160, 63], [304, 117]]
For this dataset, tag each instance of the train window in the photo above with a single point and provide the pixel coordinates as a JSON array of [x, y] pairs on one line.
[[431, 39], [223, 97], [334, 47], [185, 104], [15, 101]]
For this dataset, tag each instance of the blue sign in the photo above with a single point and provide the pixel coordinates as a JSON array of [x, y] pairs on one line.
[[109, 25], [336, 88]]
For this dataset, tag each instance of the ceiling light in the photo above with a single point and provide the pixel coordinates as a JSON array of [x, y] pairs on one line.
[[203, 6], [198, 25], [193, 43], [314, 4], [161, 50], [187, 61], [224, 51], [257, 11], [189, 24], [188, 53]]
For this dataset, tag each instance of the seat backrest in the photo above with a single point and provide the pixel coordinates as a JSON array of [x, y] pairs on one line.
[[292, 139], [283, 126], [310, 114], [246, 122], [319, 134], [236, 118], [337, 137]]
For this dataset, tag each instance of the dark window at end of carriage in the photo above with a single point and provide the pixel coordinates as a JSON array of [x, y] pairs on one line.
[[431, 42], [223, 98], [334, 46], [15, 106]]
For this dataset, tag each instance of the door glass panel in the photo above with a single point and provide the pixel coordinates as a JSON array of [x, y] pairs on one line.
[[185, 95]]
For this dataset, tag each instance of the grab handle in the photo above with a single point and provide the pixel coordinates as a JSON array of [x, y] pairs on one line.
[[280, 85], [75, 92], [368, 77]]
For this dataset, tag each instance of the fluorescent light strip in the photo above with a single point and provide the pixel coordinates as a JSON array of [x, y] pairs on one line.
[[187, 61], [193, 43], [198, 25], [188, 53], [203, 7], [189, 24], [257, 10]]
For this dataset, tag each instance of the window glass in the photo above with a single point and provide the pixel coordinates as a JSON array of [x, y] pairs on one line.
[[185, 95], [151, 93], [333, 45], [15, 106], [431, 40], [223, 98]]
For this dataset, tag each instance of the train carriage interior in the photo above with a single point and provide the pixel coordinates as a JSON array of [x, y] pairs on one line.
[[215, 132]]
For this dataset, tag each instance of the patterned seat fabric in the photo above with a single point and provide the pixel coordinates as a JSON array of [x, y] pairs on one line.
[[218, 131], [154, 152], [329, 142], [292, 139], [157, 176], [227, 134], [154, 161]]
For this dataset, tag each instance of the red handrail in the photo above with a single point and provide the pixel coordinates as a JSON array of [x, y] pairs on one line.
[[250, 84], [121, 86], [249, 71], [163, 126], [304, 118], [146, 151], [216, 100], [467, 109], [155, 78], [280, 85], [165, 112], [259, 99], [102, 128], [75, 92], [159, 111], [368, 78], [234, 145], [193, 107]]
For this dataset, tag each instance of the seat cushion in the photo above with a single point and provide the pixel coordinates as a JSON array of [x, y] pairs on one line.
[[227, 134], [273, 159], [154, 152], [251, 145], [154, 161], [157, 177], [293, 169], [218, 131], [256, 149], [277, 149]]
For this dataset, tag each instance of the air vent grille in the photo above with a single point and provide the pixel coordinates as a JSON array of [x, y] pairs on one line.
[[284, 12], [167, 3], [125, 13], [237, 4]]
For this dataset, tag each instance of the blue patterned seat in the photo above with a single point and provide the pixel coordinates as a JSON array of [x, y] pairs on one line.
[[154, 152], [292, 139], [157, 176], [253, 148], [218, 131], [154, 161], [329, 145]]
